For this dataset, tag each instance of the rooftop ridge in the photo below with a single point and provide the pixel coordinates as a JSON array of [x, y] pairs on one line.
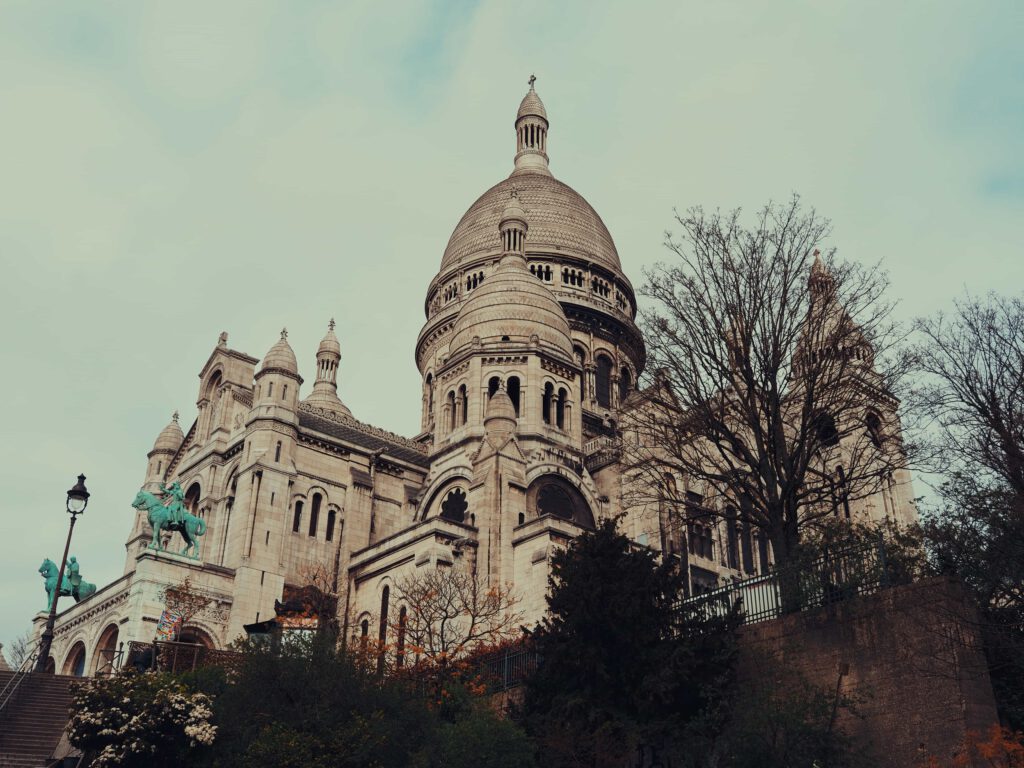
[[369, 429]]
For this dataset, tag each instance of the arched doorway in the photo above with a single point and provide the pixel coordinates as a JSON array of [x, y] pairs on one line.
[[74, 662], [196, 636], [105, 661]]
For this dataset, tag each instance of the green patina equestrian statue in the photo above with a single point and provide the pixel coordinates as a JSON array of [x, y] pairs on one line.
[[71, 585], [171, 517]]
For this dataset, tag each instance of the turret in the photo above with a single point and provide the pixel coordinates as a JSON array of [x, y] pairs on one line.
[[167, 444], [325, 388], [278, 380]]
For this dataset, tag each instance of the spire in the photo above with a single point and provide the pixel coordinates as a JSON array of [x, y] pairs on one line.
[[531, 134], [325, 388], [820, 280]]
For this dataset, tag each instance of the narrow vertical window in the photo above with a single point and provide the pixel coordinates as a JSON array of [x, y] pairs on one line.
[[314, 514], [382, 634], [297, 518], [545, 408], [463, 402], [513, 392], [560, 408], [331, 514], [277, 452], [603, 382], [400, 645]]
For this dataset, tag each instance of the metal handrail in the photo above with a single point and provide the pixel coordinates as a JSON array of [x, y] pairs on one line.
[[26, 667]]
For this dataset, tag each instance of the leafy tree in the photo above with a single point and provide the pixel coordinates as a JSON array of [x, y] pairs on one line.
[[622, 669], [308, 704], [769, 360]]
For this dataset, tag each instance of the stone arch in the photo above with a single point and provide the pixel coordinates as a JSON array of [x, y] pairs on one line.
[[193, 633], [554, 494], [441, 484], [74, 660], [213, 382], [193, 493], [106, 648]]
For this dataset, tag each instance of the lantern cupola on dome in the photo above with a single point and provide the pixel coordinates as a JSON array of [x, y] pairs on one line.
[[532, 134]]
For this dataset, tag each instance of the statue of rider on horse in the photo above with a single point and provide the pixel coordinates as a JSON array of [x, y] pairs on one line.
[[167, 512]]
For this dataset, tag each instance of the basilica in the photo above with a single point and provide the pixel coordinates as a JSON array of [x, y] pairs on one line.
[[529, 356]]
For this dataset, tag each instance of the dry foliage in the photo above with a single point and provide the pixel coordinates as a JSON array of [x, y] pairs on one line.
[[450, 612]]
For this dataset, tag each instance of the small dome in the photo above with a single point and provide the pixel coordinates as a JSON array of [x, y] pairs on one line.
[[500, 407], [329, 344], [171, 438], [513, 210], [281, 356], [327, 398], [512, 306], [531, 105]]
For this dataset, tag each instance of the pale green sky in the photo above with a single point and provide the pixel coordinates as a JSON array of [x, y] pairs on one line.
[[172, 170]]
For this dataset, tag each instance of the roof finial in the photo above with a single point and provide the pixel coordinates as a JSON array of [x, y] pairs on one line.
[[330, 325], [532, 80], [284, 334], [174, 417]]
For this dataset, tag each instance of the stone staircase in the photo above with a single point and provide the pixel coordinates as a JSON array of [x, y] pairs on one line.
[[32, 722]]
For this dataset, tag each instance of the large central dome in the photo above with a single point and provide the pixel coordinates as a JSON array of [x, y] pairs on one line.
[[561, 221]]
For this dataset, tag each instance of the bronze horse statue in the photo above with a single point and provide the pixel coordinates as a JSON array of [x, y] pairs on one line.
[[191, 528]]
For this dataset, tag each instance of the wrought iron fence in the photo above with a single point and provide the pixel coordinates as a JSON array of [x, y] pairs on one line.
[[829, 579], [177, 657], [507, 668]]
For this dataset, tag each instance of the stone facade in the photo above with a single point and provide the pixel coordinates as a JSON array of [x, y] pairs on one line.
[[529, 358]]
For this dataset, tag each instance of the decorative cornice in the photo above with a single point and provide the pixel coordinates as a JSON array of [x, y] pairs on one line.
[[368, 429]]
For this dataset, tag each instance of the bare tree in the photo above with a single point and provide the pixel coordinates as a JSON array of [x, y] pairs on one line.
[[185, 600], [776, 372], [21, 649], [972, 393], [449, 612]]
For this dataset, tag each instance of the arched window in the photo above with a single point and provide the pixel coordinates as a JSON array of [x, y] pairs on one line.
[[825, 429], [493, 385], [277, 452], [331, 516], [670, 485], [454, 506], [451, 411], [545, 408], [364, 634], [560, 408], [314, 514], [192, 498], [625, 384], [270, 389], [297, 517], [430, 394], [463, 402], [382, 633], [513, 392], [604, 381], [581, 361], [874, 425], [400, 645]]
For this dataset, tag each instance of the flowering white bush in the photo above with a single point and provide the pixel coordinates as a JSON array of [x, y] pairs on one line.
[[139, 719]]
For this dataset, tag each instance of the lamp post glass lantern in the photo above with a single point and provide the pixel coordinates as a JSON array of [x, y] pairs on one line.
[[78, 500]]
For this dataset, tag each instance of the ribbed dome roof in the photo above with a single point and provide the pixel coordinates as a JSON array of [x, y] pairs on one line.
[[531, 105], [171, 437], [510, 307], [560, 220], [281, 355], [327, 398]]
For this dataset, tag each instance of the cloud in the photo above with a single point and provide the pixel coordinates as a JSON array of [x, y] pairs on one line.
[[173, 171]]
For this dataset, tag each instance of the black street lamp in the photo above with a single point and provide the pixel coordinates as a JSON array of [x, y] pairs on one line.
[[78, 498]]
